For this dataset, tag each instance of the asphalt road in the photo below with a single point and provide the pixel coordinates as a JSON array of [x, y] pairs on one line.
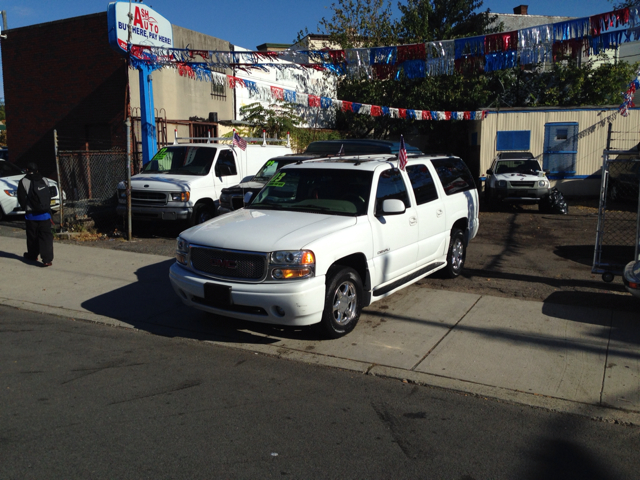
[[81, 400]]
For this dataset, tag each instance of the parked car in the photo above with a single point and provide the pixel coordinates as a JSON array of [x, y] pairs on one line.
[[631, 278], [233, 198], [325, 238], [357, 146], [624, 178], [10, 176], [184, 181], [516, 177]]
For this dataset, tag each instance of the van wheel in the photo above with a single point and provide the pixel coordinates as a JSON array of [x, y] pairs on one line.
[[343, 301], [456, 255], [201, 213]]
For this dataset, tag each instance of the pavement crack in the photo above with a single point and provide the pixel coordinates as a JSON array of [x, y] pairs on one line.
[[182, 386], [606, 358], [446, 334], [394, 427], [91, 371]]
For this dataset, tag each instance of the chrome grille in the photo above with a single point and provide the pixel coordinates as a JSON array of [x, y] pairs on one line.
[[522, 184], [229, 263], [141, 197]]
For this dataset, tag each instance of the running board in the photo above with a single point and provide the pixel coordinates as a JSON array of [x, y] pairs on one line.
[[387, 288]]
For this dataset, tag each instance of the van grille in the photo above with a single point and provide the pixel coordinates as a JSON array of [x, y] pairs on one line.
[[140, 197], [229, 263]]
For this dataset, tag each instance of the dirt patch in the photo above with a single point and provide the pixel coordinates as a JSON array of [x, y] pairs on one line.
[[519, 253]]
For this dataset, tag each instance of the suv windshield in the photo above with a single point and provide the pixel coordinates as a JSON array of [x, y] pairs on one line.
[[517, 166], [183, 160], [270, 168], [332, 192]]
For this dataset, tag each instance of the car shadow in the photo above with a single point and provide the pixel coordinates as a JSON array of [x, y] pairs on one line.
[[151, 305]]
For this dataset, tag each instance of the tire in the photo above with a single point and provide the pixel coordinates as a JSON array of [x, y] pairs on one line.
[[456, 255], [343, 301], [201, 213]]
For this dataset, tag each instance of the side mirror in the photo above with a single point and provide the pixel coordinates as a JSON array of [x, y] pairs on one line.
[[489, 172], [392, 206], [247, 197]]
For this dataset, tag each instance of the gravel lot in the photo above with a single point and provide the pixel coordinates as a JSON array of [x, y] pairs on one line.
[[518, 252]]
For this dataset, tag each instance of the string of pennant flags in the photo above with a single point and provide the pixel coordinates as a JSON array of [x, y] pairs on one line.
[[485, 53]]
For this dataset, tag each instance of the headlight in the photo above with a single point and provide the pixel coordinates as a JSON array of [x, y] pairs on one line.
[[11, 193], [180, 197], [292, 264], [502, 184], [543, 183], [182, 251]]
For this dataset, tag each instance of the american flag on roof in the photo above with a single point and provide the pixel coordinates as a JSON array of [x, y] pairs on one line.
[[341, 152], [238, 141], [402, 154]]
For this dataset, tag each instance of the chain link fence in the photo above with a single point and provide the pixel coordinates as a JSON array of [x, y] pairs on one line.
[[89, 180], [617, 213]]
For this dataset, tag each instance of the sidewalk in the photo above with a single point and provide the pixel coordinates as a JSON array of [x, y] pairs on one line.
[[571, 359]]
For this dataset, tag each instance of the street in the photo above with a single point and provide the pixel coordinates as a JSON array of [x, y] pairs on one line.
[[81, 400]]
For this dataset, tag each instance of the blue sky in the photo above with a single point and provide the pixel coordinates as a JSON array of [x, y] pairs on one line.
[[249, 23]]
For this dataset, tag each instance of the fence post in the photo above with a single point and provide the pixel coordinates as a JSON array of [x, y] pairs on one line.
[[128, 122], [60, 190]]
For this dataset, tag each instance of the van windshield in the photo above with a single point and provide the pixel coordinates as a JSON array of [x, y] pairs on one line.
[[182, 160], [326, 191]]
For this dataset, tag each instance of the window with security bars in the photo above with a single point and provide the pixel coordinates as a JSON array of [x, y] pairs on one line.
[[560, 148], [218, 90]]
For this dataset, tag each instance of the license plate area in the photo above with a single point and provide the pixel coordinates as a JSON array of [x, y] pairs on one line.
[[219, 295]]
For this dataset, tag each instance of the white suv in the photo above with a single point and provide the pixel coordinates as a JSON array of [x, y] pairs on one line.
[[325, 238]]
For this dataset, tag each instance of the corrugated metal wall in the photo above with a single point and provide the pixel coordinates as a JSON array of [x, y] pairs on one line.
[[593, 125]]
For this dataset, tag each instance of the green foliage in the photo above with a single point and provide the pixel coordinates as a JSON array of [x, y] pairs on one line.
[[430, 20], [277, 120], [360, 23]]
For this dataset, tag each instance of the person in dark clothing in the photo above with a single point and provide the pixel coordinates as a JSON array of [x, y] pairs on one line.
[[35, 199]]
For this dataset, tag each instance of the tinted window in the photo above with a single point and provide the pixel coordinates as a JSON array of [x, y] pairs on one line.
[[325, 191], [226, 164], [454, 175], [391, 185], [181, 160], [271, 167], [422, 182]]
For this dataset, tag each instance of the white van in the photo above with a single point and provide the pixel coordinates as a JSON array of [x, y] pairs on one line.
[[183, 181]]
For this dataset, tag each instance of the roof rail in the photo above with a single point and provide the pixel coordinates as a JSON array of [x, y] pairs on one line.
[[229, 140]]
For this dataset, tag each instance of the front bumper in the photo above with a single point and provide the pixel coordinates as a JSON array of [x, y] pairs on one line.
[[521, 195], [294, 303], [156, 213]]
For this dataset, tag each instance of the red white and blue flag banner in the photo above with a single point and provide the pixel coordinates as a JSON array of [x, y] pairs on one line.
[[238, 141], [402, 154], [483, 53]]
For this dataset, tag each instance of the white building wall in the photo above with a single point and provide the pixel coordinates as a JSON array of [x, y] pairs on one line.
[[593, 125]]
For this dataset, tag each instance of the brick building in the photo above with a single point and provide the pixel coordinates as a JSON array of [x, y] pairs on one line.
[[65, 76]]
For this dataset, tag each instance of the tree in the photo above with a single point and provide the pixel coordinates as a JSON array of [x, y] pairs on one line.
[[276, 121], [360, 24], [430, 20]]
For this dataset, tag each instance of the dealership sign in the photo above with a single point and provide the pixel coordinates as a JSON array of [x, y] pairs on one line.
[[147, 26]]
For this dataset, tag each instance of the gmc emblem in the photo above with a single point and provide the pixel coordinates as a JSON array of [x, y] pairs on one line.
[[220, 263]]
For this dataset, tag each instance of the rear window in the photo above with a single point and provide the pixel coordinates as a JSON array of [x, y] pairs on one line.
[[454, 175]]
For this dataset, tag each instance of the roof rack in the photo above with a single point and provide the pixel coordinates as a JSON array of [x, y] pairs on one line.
[[229, 140]]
